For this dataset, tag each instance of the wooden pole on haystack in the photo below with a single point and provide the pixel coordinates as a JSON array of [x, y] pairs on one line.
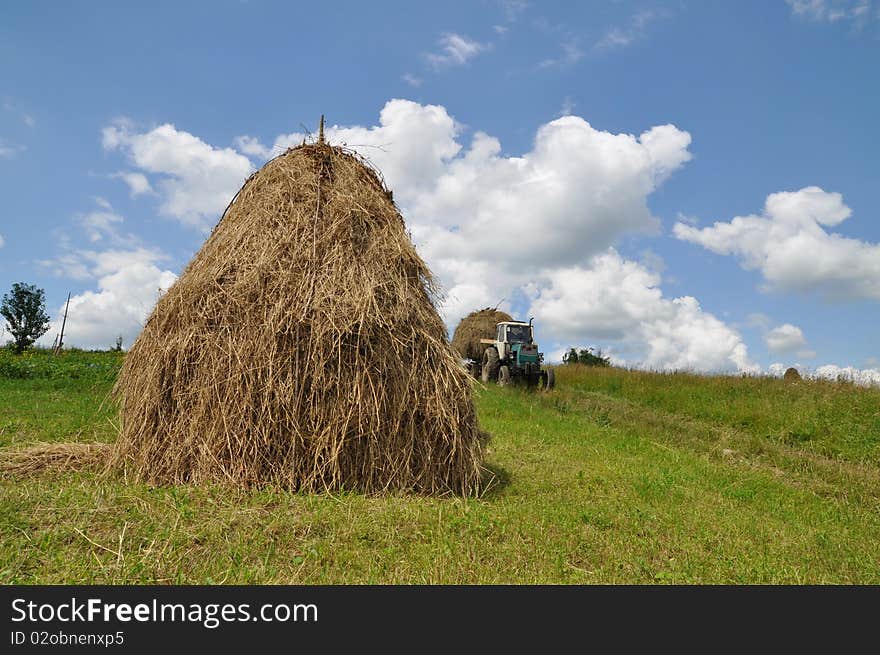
[[321, 130], [63, 323]]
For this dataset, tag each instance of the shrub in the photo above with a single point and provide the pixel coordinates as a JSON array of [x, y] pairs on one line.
[[39, 363], [585, 356]]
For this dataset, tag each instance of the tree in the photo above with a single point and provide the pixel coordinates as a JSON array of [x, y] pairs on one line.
[[588, 357], [24, 309], [585, 356]]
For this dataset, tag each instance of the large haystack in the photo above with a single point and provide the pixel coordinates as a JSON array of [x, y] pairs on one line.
[[301, 346], [473, 327]]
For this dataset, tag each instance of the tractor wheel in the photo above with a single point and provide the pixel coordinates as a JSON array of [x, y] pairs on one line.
[[504, 376], [490, 364], [551, 380]]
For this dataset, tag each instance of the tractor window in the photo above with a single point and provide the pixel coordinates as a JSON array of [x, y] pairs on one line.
[[519, 334], [499, 333]]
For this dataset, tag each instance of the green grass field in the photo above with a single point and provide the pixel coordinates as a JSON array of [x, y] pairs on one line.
[[616, 477]]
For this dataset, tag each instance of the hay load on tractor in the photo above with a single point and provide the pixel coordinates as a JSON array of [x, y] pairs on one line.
[[302, 347], [471, 329]]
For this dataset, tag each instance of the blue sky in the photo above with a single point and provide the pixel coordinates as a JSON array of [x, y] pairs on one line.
[[124, 129]]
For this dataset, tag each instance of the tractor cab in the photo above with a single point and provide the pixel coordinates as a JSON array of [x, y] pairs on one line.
[[513, 340], [514, 332]]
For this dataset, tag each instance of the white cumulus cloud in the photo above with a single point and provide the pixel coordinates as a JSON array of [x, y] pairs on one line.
[[572, 195], [252, 146], [196, 180], [785, 338], [619, 301], [128, 284], [486, 221], [863, 377], [412, 144], [790, 245]]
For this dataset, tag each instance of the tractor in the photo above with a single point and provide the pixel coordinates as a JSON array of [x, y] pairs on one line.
[[513, 357]]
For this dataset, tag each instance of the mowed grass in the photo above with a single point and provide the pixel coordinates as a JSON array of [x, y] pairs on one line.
[[46, 398], [835, 419], [616, 477]]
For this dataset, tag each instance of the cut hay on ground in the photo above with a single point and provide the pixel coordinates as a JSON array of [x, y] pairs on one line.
[[301, 347], [475, 326], [54, 457]]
